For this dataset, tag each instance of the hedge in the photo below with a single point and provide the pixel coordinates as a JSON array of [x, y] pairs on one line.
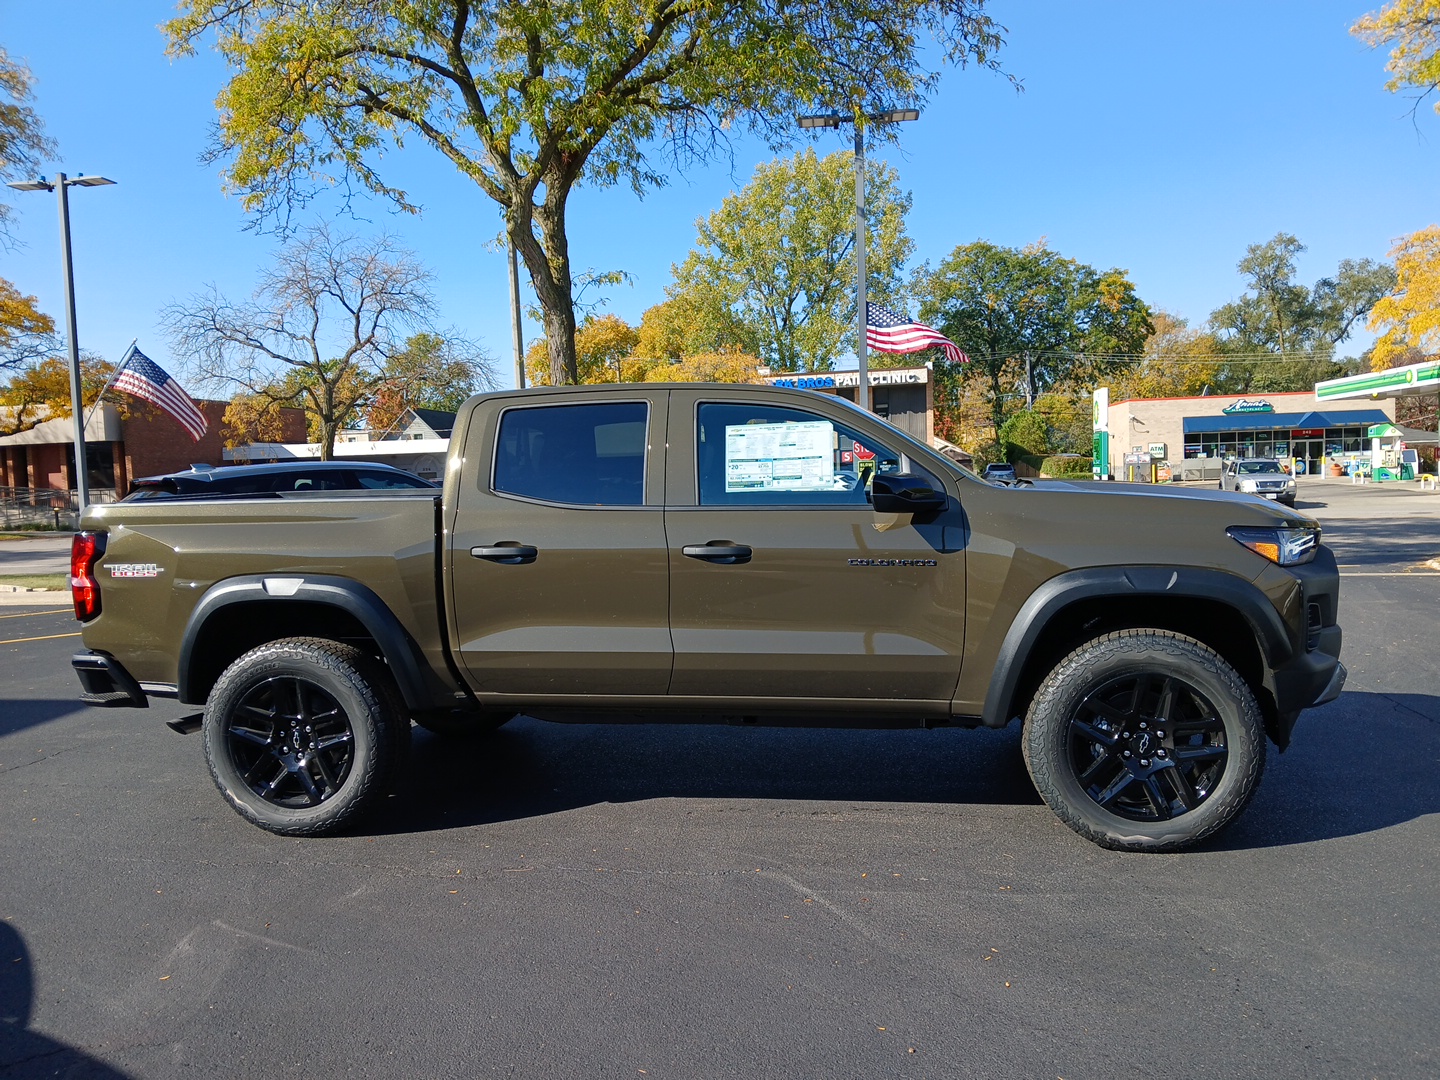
[[1069, 468]]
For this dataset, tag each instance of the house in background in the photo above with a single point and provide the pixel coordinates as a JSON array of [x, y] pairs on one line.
[[417, 443]]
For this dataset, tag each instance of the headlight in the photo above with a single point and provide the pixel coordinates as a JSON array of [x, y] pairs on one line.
[[1288, 545], [1246, 485]]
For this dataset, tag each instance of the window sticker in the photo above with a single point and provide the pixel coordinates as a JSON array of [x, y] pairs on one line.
[[780, 457]]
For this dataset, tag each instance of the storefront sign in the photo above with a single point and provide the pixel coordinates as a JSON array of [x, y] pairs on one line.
[[1248, 405], [1308, 433], [1157, 451], [893, 377]]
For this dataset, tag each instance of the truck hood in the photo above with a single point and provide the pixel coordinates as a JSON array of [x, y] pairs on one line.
[[1252, 508]]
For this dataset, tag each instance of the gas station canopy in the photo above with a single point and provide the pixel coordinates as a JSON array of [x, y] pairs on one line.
[[1413, 379]]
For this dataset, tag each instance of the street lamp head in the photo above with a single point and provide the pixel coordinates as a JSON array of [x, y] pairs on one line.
[[32, 185], [894, 116], [88, 181], [829, 120]]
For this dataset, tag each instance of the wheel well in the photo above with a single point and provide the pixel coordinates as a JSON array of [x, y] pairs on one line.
[[1210, 622], [235, 629]]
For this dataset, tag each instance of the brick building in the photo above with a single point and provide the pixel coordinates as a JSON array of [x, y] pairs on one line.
[[141, 440]]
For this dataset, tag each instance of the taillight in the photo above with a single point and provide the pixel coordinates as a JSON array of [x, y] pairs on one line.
[[85, 552]]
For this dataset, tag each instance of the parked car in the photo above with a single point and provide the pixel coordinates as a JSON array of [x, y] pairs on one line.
[[1264, 477], [282, 477], [1000, 471]]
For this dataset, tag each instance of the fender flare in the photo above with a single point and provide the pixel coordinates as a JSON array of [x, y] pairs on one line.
[[1065, 589], [351, 597]]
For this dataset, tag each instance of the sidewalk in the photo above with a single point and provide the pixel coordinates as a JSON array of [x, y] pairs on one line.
[[42, 553]]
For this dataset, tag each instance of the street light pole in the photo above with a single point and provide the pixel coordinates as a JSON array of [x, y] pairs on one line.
[[834, 120], [61, 187], [862, 293]]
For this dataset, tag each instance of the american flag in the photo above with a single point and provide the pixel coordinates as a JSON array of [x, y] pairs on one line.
[[142, 377], [887, 332]]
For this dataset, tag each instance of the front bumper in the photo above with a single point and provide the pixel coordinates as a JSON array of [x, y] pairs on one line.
[[1313, 674]]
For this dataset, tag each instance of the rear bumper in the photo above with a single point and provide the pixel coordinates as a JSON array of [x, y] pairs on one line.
[[104, 681]]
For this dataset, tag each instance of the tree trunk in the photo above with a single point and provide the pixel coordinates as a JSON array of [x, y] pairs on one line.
[[328, 425], [548, 261], [997, 404]]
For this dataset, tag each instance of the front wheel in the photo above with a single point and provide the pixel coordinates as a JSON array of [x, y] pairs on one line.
[[1144, 740], [305, 735]]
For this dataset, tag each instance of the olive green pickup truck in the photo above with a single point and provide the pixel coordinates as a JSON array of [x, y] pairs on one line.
[[732, 554]]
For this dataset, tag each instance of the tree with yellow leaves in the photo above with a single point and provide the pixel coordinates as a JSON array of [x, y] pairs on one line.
[[25, 331], [41, 392], [1412, 28], [1408, 320], [603, 344]]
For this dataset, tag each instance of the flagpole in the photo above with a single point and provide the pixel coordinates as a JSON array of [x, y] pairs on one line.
[[125, 359]]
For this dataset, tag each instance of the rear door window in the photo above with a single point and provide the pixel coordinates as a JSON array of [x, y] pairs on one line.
[[586, 455]]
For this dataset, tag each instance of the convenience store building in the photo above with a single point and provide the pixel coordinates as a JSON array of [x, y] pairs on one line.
[[1299, 427]]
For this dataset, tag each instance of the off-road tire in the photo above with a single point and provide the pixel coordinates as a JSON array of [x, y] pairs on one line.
[[258, 744], [1109, 696]]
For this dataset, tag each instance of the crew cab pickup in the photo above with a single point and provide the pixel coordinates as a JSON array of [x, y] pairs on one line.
[[735, 554]]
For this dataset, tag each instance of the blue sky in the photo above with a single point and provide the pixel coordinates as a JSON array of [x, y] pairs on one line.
[[1160, 137]]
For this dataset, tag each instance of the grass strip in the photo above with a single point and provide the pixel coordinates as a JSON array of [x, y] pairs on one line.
[[58, 582]]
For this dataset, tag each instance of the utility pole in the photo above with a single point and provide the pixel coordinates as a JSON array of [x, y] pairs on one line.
[[516, 332]]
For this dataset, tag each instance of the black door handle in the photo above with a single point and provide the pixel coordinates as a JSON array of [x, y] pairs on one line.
[[719, 551], [511, 554]]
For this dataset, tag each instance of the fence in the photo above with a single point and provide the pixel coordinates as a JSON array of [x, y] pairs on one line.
[[49, 507]]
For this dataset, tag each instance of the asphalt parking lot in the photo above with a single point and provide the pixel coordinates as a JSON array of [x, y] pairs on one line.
[[576, 901]]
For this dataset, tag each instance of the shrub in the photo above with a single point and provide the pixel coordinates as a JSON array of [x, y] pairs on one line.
[[1067, 468], [1024, 432]]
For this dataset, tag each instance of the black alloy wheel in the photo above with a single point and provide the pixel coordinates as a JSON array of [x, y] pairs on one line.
[[291, 742], [1144, 740], [1148, 746], [305, 735]]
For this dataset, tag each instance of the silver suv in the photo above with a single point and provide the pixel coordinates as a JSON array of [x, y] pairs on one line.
[[1264, 477]]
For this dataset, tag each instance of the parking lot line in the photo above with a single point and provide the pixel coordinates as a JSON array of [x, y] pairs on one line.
[[46, 637], [32, 614], [1390, 573]]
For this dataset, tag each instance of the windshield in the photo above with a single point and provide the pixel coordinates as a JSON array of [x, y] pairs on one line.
[[1250, 467]]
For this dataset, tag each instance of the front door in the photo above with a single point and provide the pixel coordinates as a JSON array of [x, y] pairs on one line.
[[782, 587], [558, 570]]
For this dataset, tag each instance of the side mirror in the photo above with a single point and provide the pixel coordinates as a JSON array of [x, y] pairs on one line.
[[904, 493]]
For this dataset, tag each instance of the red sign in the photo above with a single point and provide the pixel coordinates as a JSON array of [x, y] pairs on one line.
[[1308, 433], [846, 457], [861, 454]]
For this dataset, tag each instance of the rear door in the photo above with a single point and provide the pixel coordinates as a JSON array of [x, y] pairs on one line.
[[782, 586], [559, 577]]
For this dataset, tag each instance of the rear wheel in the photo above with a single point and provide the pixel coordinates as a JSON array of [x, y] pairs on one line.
[[305, 735], [1144, 740]]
